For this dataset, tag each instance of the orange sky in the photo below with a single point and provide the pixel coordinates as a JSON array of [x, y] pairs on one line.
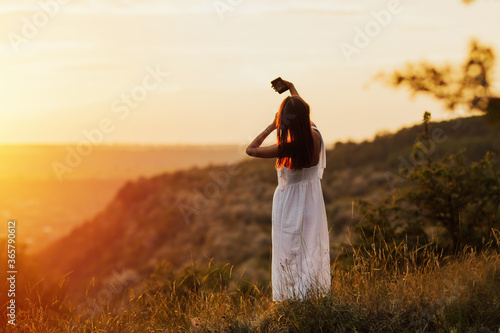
[[198, 71]]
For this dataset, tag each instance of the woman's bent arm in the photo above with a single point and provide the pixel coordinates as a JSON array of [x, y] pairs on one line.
[[255, 150]]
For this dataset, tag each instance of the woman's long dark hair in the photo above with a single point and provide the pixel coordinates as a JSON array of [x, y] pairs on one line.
[[295, 141]]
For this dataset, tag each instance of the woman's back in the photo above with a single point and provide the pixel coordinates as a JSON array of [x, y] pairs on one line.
[[301, 259]]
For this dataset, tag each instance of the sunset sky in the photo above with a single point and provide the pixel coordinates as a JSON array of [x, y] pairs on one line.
[[198, 71]]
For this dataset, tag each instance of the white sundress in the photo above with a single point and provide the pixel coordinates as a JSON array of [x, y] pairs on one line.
[[300, 245]]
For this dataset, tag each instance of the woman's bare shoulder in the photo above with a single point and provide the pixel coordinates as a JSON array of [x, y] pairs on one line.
[[316, 135]]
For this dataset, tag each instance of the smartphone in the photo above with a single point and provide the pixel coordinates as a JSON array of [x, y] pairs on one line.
[[279, 85]]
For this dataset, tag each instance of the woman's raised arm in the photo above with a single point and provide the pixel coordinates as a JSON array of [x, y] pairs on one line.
[[292, 89]]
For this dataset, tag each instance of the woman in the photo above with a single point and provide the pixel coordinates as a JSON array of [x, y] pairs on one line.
[[300, 251]]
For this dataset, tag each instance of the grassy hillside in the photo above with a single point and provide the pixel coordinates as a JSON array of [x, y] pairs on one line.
[[174, 232], [393, 289], [222, 213]]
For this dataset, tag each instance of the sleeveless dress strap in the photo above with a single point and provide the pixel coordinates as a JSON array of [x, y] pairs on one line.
[[322, 155]]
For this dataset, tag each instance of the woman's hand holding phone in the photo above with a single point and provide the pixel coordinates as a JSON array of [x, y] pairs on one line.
[[280, 86], [288, 84]]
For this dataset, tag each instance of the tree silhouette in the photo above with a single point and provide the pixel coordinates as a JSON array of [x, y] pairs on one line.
[[467, 86]]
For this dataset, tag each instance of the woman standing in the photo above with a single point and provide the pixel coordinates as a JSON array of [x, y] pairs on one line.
[[300, 251]]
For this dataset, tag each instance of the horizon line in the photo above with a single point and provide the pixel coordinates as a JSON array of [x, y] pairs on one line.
[[191, 144]]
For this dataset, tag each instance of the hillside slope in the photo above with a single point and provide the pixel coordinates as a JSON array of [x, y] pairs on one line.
[[223, 213]]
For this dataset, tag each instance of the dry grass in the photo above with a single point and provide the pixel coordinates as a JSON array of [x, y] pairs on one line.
[[385, 288]]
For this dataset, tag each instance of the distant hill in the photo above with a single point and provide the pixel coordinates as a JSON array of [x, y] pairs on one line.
[[48, 207], [223, 213]]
